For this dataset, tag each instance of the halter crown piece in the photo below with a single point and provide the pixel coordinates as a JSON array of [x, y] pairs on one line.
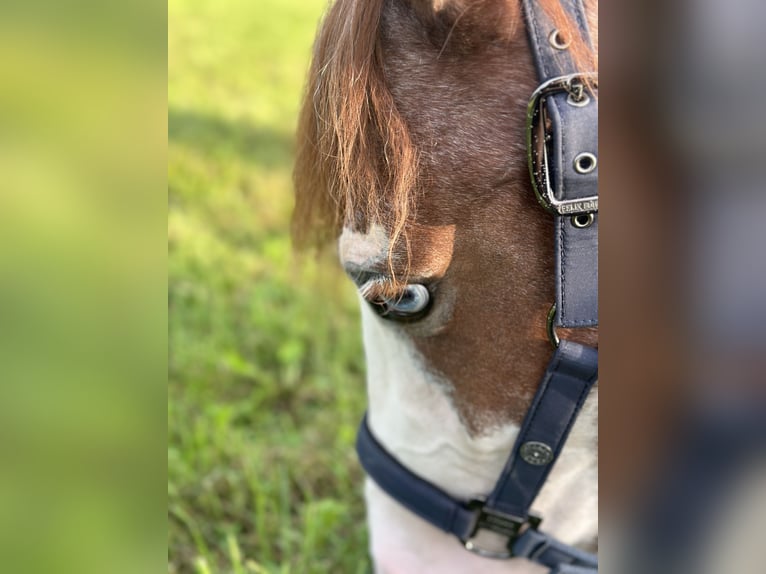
[[562, 147]]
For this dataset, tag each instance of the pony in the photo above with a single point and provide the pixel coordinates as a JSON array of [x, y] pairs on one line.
[[411, 157]]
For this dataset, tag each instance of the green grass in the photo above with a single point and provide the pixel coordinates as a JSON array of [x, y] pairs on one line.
[[266, 366]]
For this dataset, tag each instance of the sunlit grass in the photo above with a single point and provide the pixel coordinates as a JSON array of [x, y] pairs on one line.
[[265, 366]]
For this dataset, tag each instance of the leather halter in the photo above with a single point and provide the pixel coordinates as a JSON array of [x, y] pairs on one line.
[[562, 132]]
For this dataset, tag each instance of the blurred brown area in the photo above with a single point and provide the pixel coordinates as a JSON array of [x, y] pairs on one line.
[[682, 273]]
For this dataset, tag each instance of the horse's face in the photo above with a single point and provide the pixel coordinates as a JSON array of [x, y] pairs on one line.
[[460, 78], [454, 298]]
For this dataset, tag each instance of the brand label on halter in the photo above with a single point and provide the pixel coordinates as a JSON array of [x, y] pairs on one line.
[[578, 206]]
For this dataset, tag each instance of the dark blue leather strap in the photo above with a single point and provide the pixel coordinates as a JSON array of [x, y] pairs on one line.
[[562, 392], [573, 130], [417, 495], [547, 551], [549, 60]]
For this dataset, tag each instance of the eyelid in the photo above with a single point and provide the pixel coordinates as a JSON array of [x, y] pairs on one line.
[[378, 289]]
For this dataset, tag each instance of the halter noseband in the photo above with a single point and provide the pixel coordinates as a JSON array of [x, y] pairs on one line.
[[562, 144]]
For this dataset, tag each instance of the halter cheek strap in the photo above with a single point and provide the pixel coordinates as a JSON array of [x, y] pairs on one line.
[[562, 121], [562, 144]]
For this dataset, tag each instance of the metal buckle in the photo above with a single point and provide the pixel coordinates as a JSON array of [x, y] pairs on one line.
[[575, 86], [553, 336], [504, 524]]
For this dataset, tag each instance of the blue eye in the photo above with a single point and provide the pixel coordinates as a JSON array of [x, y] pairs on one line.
[[412, 303]]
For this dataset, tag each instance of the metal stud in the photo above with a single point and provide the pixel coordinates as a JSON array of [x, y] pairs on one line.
[[559, 40], [585, 162], [536, 453]]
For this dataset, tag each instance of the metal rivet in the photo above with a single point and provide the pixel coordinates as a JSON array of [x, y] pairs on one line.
[[585, 162], [583, 220], [559, 40], [536, 453]]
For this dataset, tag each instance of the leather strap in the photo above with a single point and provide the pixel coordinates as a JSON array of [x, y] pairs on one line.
[[550, 61], [408, 489], [562, 392], [576, 249], [573, 130], [547, 551]]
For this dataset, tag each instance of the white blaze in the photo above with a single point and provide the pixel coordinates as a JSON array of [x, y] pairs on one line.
[[363, 248]]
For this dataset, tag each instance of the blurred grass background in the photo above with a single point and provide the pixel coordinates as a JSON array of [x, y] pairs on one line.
[[83, 332], [265, 361]]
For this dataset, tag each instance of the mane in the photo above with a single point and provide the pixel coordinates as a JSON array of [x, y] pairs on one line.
[[356, 161]]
